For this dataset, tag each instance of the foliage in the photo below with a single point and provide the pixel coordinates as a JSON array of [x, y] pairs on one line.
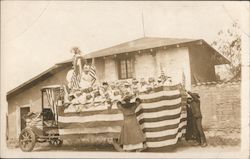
[[228, 43]]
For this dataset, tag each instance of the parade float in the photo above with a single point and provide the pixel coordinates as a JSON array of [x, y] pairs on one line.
[[83, 109]]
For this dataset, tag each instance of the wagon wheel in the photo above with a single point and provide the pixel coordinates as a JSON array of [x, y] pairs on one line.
[[27, 140], [116, 145], [57, 142]]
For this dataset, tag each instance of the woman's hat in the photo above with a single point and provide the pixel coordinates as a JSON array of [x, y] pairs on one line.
[[159, 79], [71, 95], [135, 80], [105, 83], [126, 83], [142, 80], [196, 95], [151, 79], [127, 98]]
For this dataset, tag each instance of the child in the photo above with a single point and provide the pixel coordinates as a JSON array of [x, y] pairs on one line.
[[194, 103]]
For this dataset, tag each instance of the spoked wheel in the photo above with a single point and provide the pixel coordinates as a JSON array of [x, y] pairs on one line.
[[117, 146], [57, 142], [27, 140]]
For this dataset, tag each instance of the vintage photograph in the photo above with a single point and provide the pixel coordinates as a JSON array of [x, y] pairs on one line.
[[116, 79]]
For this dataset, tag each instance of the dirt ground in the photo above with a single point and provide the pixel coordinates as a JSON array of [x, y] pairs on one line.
[[181, 150]]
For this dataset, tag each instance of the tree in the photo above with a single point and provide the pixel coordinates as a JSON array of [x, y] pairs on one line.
[[228, 43]]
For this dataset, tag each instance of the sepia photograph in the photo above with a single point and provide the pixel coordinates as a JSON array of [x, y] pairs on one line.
[[117, 79]]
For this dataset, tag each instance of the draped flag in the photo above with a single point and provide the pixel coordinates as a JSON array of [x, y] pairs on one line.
[[93, 121], [52, 100], [183, 78], [162, 115], [75, 80], [92, 73]]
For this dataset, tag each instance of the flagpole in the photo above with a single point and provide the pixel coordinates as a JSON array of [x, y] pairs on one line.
[[143, 24]]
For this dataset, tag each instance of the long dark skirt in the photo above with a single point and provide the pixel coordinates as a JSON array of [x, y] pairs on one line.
[[131, 132]]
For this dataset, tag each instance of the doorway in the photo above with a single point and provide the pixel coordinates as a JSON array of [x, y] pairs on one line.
[[23, 113]]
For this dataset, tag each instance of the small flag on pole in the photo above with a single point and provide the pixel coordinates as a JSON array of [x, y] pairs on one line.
[[183, 78], [92, 72], [75, 80]]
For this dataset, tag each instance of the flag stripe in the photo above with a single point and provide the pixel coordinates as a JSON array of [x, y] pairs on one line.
[[75, 80], [167, 132], [167, 117], [167, 137], [89, 118], [164, 122], [90, 124], [161, 108], [82, 137], [92, 110], [167, 126], [92, 73], [153, 144], [152, 100], [159, 94], [96, 130], [155, 105], [87, 113], [160, 114]]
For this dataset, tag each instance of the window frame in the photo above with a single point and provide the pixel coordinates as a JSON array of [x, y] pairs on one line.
[[127, 60]]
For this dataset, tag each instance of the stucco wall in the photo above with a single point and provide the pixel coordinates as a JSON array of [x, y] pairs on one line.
[[175, 62], [111, 73], [144, 66], [100, 67], [31, 97]]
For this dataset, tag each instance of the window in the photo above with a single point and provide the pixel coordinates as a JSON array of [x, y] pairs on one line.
[[125, 68]]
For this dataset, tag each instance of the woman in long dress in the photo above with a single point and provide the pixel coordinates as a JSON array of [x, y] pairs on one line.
[[132, 137]]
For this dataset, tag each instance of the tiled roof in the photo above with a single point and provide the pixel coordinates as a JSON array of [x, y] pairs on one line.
[[146, 43], [217, 83], [138, 44]]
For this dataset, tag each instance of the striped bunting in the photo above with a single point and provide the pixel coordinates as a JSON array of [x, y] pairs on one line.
[[92, 73], [90, 118], [95, 121], [51, 100], [96, 130], [75, 80], [161, 115]]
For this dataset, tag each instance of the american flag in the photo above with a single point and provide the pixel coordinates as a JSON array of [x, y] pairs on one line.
[[161, 115], [183, 79], [92, 73], [52, 101], [75, 80]]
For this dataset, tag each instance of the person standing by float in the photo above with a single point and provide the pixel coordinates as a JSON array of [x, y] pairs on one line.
[[194, 102], [132, 137]]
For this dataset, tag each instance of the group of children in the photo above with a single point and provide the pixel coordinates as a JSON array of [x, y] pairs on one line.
[[108, 93]]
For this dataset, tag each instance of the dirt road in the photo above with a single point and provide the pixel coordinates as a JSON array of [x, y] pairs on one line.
[[182, 150]]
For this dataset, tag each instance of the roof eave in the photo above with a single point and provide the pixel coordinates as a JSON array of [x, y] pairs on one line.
[[32, 80], [224, 59]]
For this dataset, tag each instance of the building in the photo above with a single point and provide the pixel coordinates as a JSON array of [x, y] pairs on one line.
[[184, 60]]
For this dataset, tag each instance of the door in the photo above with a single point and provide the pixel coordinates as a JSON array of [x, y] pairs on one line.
[[23, 113]]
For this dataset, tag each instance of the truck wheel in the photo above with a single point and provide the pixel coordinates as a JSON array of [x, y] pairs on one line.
[[57, 142], [27, 140]]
